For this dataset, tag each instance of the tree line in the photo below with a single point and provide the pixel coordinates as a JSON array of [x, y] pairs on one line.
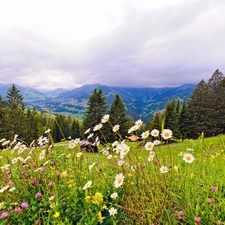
[[204, 112]]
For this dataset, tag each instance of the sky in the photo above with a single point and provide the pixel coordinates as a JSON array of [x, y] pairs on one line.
[[49, 44]]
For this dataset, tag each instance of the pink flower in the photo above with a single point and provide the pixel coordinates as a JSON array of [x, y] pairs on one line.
[[17, 210], [181, 213], [43, 168], [209, 200], [34, 182], [189, 205], [170, 165], [50, 184], [4, 215], [38, 195], [24, 205], [197, 219], [214, 188]]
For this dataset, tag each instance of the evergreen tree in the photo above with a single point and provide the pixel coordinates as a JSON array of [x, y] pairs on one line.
[[118, 116], [16, 119], [2, 119], [198, 110], [155, 122], [217, 103], [76, 130], [96, 109], [171, 116], [183, 121]]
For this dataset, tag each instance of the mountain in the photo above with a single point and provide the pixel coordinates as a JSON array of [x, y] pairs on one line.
[[140, 102]]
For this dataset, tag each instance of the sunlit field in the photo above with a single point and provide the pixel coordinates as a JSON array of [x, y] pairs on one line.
[[152, 181]]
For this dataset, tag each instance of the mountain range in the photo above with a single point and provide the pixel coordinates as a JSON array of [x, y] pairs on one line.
[[140, 102]]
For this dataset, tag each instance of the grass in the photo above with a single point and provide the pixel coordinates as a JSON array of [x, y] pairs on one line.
[[62, 185]]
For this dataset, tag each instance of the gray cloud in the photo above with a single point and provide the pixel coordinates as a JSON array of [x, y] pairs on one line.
[[166, 46]]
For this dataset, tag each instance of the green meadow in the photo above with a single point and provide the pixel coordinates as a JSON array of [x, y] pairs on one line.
[[152, 181]]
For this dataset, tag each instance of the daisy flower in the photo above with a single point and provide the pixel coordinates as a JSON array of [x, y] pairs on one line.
[[167, 133], [114, 195], [112, 211], [155, 133], [119, 180], [163, 169], [149, 146], [105, 118], [189, 158], [97, 127], [87, 185], [145, 134], [116, 128]]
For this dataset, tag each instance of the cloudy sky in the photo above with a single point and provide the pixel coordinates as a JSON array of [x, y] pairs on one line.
[[136, 43]]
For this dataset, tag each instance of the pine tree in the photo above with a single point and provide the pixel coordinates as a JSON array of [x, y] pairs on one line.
[[198, 110], [16, 119], [217, 102], [155, 122], [2, 119], [118, 116], [183, 121], [96, 109]]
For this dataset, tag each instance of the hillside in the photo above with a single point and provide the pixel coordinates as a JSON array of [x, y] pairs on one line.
[[140, 102]]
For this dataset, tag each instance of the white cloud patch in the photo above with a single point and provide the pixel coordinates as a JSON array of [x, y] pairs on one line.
[[121, 43]]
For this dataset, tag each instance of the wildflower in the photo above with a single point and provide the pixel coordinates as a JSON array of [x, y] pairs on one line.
[[92, 165], [139, 122], [112, 211], [105, 118], [97, 198], [87, 185], [24, 205], [90, 135], [4, 214], [87, 198], [38, 195], [109, 157], [209, 200], [116, 128], [190, 149], [149, 146], [56, 215], [145, 134], [34, 182], [15, 160], [2, 205], [197, 219], [71, 145], [100, 217], [43, 168], [176, 169], [156, 142], [115, 143], [97, 127], [51, 198], [181, 214], [47, 131], [163, 169], [189, 158], [120, 162], [79, 154], [167, 133], [155, 133], [77, 141], [123, 149], [213, 189], [17, 210], [114, 195], [118, 180], [170, 166], [12, 189], [87, 131]]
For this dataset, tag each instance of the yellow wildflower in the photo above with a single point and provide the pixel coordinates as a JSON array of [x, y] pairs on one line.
[[56, 215], [97, 198], [100, 217], [87, 198]]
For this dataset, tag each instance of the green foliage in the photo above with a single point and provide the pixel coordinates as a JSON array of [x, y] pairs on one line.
[[96, 108]]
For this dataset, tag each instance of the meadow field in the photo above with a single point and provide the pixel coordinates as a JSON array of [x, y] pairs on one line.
[[152, 181]]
